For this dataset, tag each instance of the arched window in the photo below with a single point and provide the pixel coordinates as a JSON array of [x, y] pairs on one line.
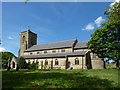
[[76, 61], [53, 51], [28, 61], [56, 62], [63, 50], [46, 62], [33, 62], [13, 63], [45, 51], [37, 61], [38, 52]]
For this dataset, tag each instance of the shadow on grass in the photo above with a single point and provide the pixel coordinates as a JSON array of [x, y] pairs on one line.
[[31, 79]]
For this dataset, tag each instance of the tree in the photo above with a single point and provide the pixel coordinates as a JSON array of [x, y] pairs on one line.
[[22, 63], [105, 41], [5, 56]]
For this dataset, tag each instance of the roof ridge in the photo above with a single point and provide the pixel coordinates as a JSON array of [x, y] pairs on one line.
[[54, 42], [83, 41]]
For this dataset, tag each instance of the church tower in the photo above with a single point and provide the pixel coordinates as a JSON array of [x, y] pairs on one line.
[[27, 39]]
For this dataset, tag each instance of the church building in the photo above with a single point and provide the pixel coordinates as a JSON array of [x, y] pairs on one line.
[[69, 54]]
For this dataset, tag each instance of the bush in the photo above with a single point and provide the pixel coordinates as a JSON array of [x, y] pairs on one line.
[[4, 66], [33, 66], [22, 63]]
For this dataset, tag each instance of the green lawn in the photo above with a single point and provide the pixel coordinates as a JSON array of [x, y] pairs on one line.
[[100, 78]]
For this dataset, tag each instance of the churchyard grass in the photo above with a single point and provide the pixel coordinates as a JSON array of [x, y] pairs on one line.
[[94, 78]]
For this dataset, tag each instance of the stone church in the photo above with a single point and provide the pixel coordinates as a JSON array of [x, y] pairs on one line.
[[69, 54]]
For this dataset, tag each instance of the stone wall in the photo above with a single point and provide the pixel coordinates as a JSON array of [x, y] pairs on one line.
[[61, 63], [27, 39], [97, 64], [81, 64], [51, 61]]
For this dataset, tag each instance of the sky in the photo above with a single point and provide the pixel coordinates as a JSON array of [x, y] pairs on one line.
[[51, 21]]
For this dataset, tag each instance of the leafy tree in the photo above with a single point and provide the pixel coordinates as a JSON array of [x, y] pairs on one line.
[[4, 58], [22, 63], [105, 41]]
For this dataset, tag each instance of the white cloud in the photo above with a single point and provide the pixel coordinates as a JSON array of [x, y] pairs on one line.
[[98, 21], [117, 0], [90, 26], [2, 49], [114, 2], [10, 38]]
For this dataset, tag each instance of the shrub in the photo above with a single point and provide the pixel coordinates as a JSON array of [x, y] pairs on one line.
[[33, 66], [22, 63], [4, 66]]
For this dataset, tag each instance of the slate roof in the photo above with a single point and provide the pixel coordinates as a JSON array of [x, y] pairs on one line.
[[81, 53], [81, 45], [54, 45]]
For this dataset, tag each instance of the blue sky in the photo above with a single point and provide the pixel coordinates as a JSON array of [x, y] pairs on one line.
[[51, 21]]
